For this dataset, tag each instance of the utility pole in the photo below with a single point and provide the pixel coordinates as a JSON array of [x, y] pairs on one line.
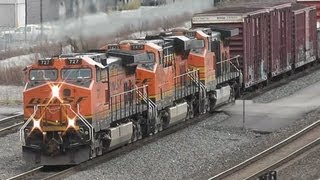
[[41, 21], [25, 19], [244, 114]]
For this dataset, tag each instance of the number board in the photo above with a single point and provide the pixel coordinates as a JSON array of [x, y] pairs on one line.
[[190, 34], [137, 47], [113, 46], [73, 61], [45, 62]]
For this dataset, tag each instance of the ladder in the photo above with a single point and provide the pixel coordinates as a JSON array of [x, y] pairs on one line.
[[152, 107]]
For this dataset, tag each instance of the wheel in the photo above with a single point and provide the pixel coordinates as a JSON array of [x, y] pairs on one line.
[[136, 134], [190, 113], [232, 97]]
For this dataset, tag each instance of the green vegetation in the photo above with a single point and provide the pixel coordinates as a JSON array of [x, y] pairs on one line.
[[134, 4]]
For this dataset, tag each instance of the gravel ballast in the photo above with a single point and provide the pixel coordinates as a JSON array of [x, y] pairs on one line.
[[6, 111], [176, 156], [198, 152], [288, 89], [11, 95], [305, 168], [11, 162]]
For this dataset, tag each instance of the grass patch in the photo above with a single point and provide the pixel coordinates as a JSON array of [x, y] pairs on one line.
[[134, 4], [12, 76], [46, 50], [10, 102]]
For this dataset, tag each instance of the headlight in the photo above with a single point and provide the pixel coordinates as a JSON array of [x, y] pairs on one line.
[[55, 91], [71, 122], [36, 124]]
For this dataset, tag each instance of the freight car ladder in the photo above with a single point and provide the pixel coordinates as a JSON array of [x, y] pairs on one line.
[[152, 107]]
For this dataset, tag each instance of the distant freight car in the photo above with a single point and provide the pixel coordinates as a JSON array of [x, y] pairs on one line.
[[252, 43], [280, 38], [153, 2], [304, 34], [315, 3]]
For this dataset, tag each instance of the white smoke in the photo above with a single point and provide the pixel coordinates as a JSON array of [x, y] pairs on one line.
[[102, 24]]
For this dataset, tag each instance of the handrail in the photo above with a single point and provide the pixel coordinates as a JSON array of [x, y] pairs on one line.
[[235, 57], [26, 123]]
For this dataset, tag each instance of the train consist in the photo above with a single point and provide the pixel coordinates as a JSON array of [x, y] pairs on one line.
[[273, 40], [78, 106]]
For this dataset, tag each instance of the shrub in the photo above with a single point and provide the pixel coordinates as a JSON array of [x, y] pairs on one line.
[[12, 76], [134, 4]]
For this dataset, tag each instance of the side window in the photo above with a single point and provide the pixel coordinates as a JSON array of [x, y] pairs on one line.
[[99, 73], [102, 75], [160, 58], [107, 95]]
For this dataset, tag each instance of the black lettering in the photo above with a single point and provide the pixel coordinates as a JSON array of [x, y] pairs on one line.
[[46, 100], [68, 100], [80, 99], [35, 101]]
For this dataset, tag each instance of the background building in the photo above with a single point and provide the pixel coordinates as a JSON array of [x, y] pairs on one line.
[[12, 13], [58, 9]]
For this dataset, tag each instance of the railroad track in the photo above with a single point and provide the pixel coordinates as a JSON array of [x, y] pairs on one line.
[[275, 156], [41, 172], [58, 173], [54, 173], [10, 124]]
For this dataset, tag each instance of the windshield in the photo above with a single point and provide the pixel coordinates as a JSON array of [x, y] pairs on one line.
[[75, 74], [43, 74]]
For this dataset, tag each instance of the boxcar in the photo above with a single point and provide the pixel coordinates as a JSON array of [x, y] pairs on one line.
[[304, 34], [251, 44], [313, 3], [280, 38]]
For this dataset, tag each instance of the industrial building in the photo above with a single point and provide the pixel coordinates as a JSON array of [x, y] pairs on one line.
[[14, 11], [58, 9]]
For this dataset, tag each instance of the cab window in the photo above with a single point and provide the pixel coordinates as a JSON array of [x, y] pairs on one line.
[[43, 74], [76, 74]]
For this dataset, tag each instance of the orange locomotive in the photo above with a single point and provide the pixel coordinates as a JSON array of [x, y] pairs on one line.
[[78, 106]]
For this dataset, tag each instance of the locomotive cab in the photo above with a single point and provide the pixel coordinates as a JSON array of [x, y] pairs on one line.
[[58, 108]]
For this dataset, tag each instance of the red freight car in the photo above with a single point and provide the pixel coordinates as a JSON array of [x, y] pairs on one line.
[[280, 38], [304, 31], [251, 43], [313, 3]]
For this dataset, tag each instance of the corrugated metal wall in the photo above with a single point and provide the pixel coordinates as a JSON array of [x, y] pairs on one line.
[[50, 10], [13, 13], [8, 20]]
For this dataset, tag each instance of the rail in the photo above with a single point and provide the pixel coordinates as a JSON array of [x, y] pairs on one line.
[[38, 174], [27, 174], [285, 150], [10, 123]]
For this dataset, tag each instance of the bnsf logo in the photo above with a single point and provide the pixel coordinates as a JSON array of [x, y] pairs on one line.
[[66, 100]]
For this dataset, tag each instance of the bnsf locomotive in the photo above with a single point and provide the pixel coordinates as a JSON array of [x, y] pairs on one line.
[[78, 106]]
